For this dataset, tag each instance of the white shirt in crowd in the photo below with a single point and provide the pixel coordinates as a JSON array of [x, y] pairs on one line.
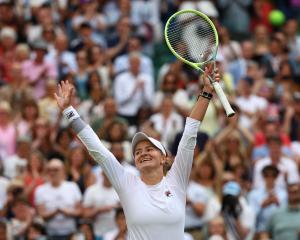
[[167, 127], [123, 87], [251, 104], [99, 196], [4, 183], [196, 193], [180, 99], [152, 211], [285, 166], [66, 195]]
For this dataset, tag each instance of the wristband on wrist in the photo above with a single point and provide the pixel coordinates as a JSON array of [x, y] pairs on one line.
[[205, 95], [70, 114]]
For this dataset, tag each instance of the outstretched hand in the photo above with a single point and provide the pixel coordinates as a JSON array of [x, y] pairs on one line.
[[213, 73], [64, 95]]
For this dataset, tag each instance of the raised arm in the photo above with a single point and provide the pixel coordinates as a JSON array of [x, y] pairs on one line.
[[182, 165], [87, 136]]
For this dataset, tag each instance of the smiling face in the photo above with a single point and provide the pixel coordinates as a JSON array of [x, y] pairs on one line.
[[148, 158]]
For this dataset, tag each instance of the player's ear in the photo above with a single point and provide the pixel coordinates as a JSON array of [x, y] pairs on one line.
[[163, 160]]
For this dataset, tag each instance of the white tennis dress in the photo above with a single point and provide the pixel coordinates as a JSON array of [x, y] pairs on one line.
[[153, 212]]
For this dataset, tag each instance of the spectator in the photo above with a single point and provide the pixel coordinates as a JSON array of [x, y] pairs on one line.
[[285, 224], [34, 175], [99, 202], [26, 120], [267, 199], [166, 123], [132, 90], [92, 107], [238, 215], [38, 70], [8, 133], [122, 63], [201, 189], [58, 202], [170, 85], [287, 167], [78, 169], [101, 124], [16, 164], [36, 231], [82, 75], [64, 59], [120, 232], [23, 217]]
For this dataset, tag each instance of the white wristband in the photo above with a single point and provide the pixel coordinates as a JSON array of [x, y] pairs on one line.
[[70, 114]]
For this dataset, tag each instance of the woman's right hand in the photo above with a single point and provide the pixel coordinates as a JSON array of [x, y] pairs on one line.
[[64, 95]]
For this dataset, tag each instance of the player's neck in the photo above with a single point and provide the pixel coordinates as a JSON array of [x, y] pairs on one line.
[[152, 178]]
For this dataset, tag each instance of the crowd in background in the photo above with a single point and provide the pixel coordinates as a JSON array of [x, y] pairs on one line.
[[245, 178]]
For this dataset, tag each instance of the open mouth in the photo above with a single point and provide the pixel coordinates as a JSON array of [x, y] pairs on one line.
[[145, 160]]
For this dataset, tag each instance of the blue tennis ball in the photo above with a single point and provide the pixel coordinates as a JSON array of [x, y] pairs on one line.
[[276, 18]]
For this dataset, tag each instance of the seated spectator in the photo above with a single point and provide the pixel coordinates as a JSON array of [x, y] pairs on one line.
[[266, 199], [238, 215], [36, 231], [250, 105], [269, 128], [4, 230], [120, 232], [110, 115], [16, 164], [122, 62], [166, 122], [92, 108], [23, 217], [170, 86], [216, 229], [38, 70], [99, 203], [133, 89], [285, 223], [8, 133], [78, 169], [201, 189], [58, 202], [34, 175], [287, 167]]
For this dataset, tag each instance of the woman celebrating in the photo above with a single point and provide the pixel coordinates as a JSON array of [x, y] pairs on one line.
[[154, 204]]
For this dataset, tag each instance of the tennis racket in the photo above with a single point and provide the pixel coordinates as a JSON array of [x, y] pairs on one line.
[[192, 37]]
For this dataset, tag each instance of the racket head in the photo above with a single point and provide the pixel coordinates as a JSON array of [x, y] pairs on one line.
[[192, 37]]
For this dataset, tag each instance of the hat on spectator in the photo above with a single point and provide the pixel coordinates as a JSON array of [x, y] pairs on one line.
[[138, 137], [40, 44], [8, 32], [231, 188], [208, 8]]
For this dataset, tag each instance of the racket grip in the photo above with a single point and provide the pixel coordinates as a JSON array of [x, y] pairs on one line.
[[228, 109]]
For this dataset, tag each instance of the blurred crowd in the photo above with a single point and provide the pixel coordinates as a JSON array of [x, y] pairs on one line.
[[245, 178]]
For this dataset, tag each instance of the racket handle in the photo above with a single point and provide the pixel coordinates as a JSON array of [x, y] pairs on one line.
[[229, 111]]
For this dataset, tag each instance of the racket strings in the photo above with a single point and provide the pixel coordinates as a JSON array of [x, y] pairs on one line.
[[192, 37]]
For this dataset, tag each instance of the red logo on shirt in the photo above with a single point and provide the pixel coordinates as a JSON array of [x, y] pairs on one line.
[[168, 193]]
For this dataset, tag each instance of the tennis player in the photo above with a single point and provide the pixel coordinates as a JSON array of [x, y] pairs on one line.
[[154, 204]]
